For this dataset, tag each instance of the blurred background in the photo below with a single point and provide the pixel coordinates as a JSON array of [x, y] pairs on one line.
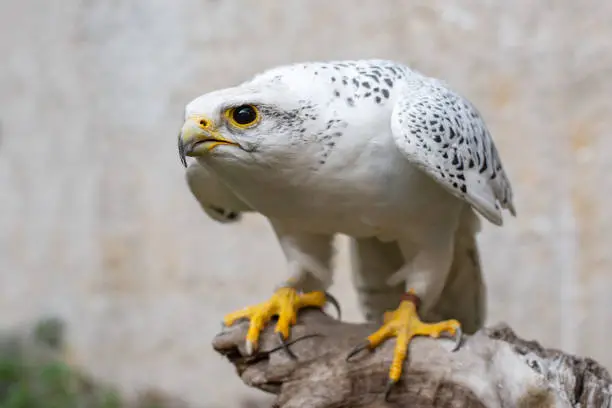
[[97, 225]]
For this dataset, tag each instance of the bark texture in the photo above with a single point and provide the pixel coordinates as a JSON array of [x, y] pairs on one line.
[[493, 368]]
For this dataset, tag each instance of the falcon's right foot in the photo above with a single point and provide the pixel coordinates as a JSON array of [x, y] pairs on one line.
[[284, 303], [404, 324]]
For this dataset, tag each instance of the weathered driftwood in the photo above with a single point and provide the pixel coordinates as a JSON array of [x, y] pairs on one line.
[[493, 368]]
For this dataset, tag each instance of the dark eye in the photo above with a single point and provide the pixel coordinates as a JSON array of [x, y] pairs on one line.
[[244, 115]]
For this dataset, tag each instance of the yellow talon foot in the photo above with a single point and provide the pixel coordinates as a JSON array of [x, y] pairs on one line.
[[284, 303], [404, 324]]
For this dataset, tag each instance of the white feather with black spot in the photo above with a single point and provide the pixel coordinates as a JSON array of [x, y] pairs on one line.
[[444, 135]]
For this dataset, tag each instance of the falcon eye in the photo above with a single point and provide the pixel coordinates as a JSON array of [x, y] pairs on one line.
[[243, 116]]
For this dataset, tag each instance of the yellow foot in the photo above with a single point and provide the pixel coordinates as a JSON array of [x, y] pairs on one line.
[[284, 303], [404, 324]]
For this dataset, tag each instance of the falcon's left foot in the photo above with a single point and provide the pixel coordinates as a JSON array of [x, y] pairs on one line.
[[404, 323]]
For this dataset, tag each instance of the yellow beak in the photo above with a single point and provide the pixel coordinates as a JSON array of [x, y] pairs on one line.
[[198, 136]]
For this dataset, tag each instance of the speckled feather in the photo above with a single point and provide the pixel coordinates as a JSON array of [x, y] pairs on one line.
[[444, 135]]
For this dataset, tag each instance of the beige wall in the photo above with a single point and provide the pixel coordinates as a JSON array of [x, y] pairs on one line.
[[97, 225]]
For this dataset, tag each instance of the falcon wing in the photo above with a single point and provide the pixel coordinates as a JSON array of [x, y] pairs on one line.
[[215, 198], [443, 135]]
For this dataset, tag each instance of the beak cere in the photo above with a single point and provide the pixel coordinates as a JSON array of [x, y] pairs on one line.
[[197, 137]]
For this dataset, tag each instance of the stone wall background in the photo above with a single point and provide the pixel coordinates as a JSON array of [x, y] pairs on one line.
[[97, 224]]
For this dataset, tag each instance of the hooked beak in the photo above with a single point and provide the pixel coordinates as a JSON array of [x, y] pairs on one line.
[[199, 136]]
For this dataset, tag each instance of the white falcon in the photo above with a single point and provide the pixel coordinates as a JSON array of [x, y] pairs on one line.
[[371, 149]]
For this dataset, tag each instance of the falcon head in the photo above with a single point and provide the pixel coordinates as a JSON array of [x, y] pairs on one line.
[[261, 122]]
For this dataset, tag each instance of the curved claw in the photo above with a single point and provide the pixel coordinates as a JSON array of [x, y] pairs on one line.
[[264, 354], [334, 302], [388, 389], [290, 342], [458, 339], [360, 347], [285, 346]]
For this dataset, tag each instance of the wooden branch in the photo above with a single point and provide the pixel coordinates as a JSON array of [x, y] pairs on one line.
[[493, 368]]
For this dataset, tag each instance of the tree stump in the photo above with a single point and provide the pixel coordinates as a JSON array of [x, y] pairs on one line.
[[493, 368]]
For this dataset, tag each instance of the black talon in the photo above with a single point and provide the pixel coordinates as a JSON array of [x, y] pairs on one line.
[[458, 339], [288, 343], [357, 349], [388, 389], [334, 302], [263, 354], [285, 346]]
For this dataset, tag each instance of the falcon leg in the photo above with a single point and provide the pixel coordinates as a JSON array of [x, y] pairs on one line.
[[425, 277], [308, 258], [372, 263]]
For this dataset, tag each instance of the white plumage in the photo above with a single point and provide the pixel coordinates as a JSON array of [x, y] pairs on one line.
[[371, 149]]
